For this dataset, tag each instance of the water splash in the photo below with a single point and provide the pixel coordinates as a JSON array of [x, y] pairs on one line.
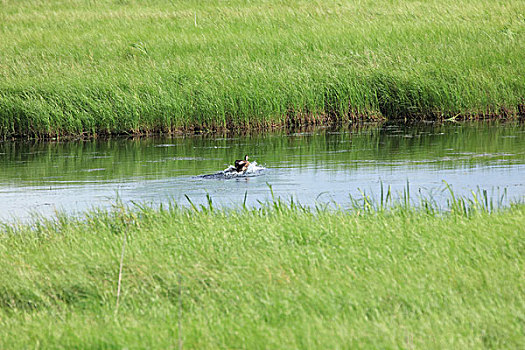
[[230, 172]]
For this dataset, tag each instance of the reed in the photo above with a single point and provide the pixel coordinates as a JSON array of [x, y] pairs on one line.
[[88, 68], [378, 275]]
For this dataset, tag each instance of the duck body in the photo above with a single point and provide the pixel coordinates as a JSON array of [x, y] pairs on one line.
[[241, 165]]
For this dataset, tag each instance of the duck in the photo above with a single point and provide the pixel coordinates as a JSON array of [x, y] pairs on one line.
[[241, 165]]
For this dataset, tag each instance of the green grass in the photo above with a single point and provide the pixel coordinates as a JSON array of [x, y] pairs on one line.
[[88, 67], [280, 276]]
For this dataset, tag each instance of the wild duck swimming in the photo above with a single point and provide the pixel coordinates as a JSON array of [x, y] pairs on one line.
[[241, 165]]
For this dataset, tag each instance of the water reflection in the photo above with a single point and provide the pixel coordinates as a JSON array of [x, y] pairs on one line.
[[73, 176]]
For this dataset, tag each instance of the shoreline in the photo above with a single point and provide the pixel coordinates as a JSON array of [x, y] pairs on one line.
[[290, 123]]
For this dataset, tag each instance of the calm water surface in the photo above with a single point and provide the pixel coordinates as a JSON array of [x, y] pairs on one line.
[[322, 166]]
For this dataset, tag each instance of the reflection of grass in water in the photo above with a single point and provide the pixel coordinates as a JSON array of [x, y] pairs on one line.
[[281, 275], [196, 155], [73, 67]]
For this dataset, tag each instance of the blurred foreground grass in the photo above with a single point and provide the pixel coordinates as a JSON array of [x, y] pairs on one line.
[[279, 276]]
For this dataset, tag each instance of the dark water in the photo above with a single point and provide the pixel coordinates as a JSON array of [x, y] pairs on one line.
[[321, 165]]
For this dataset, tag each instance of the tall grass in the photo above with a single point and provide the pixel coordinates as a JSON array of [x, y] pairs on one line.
[[277, 276], [76, 67]]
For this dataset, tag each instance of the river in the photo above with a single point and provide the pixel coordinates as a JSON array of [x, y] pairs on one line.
[[314, 166]]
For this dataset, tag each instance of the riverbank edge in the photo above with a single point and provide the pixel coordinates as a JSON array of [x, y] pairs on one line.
[[290, 121]]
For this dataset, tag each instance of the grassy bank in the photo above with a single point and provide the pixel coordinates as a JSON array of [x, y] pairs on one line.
[[275, 277], [74, 67]]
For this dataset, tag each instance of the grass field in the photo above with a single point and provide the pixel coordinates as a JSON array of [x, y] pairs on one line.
[[94, 67], [280, 276]]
